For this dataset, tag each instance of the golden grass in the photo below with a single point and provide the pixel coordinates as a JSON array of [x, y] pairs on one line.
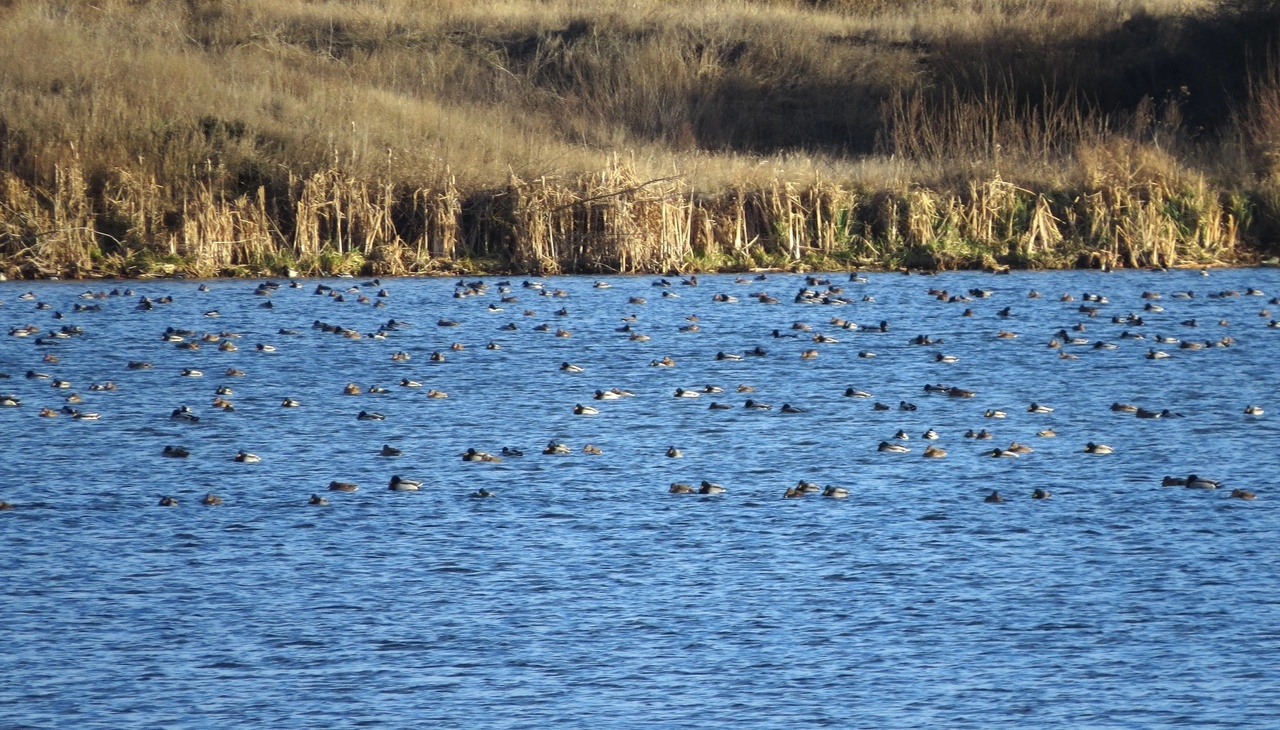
[[228, 136]]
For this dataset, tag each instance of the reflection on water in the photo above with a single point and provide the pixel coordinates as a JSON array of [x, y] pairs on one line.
[[584, 594]]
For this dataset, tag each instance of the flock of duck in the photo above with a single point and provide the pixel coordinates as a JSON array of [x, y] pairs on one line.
[[815, 293]]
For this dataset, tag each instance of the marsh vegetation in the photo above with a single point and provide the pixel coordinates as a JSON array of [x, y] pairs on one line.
[[224, 137]]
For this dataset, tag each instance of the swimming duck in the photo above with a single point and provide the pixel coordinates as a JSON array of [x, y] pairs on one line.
[[954, 392], [473, 455], [290, 403], [211, 500], [399, 484], [581, 410], [1169, 481], [388, 450], [1037, 408], [244, 457], [933, 452], [317, 500], [710, 488], [266, 348], [233, 373], [999, 453], [1048, 433], [901, 435], [1253, 410], [788, 408], [674, 453], [1092, 448], [808, 354], [592, 449], [184, 413], [168, 502], [682, 393], [1041, 494], [175, 452], [571, 368], [509, 451], [377, 389], [1018, 448], [555, 447], [1242, 494], [48, 413], [836, 492], [1124, 408], [728, 356], [1153, 354], [679, 488], [336, 486], [407, 383], [720, 407], [481, 493], [792, 493], [351, 389], [756, 405], [993, 497], [1195, 482], [891, 448], [855, 393], [433, 393], [939, 357], [368, 416]]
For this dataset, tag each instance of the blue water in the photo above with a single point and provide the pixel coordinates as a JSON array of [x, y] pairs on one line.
[[584, 595]]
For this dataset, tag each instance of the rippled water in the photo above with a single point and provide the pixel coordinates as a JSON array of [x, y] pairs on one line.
[[585, 595]]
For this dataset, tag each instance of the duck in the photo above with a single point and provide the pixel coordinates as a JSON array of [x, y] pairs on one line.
[[290, 403], [1001, 454], [710, 488], [512, 452], [233, 373], [1169, 481], [407, 383], [592, 449], [1092, 448], [569, 367], [400, 484], [48, 413], [266, 348], [481, 493], [993, 497], [389, 450], [792, 493], [954, 392], [994, 413], [555, 447], [175, 452], [729, 356], [473, 455], [719, 407], [1124, 408], [606, 395], [665, 362], [184, 413], [1038, 408], [1042, 494], [681, 488], [1242, 494], [1047, 433], [318, 500], [674, 453], [1196, 482], [581, 410], [1253, 410], [369, 416], [756, 405], [336, 486], [167, 501], [788, 408], [930, 435], [835, 492], [933, 452], [211, 500], [939, 357], [1018, 448], [433, 393], [244, 457], [855, 393], [891, 448], [808, 354], [682, 393]]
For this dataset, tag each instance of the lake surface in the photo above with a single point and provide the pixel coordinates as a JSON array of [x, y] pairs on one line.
[[583, 594]]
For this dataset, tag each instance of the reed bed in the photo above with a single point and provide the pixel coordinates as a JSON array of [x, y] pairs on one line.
[[228, 137]]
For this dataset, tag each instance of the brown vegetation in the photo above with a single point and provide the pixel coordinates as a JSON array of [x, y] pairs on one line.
[[238, 137]]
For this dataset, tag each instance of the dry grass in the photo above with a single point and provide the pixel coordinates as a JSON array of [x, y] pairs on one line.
[[228, 136]]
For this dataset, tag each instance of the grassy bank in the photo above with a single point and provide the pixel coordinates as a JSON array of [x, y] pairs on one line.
[[235, 137]]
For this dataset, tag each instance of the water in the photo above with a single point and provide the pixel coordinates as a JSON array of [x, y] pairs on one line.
[[584, 595]]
